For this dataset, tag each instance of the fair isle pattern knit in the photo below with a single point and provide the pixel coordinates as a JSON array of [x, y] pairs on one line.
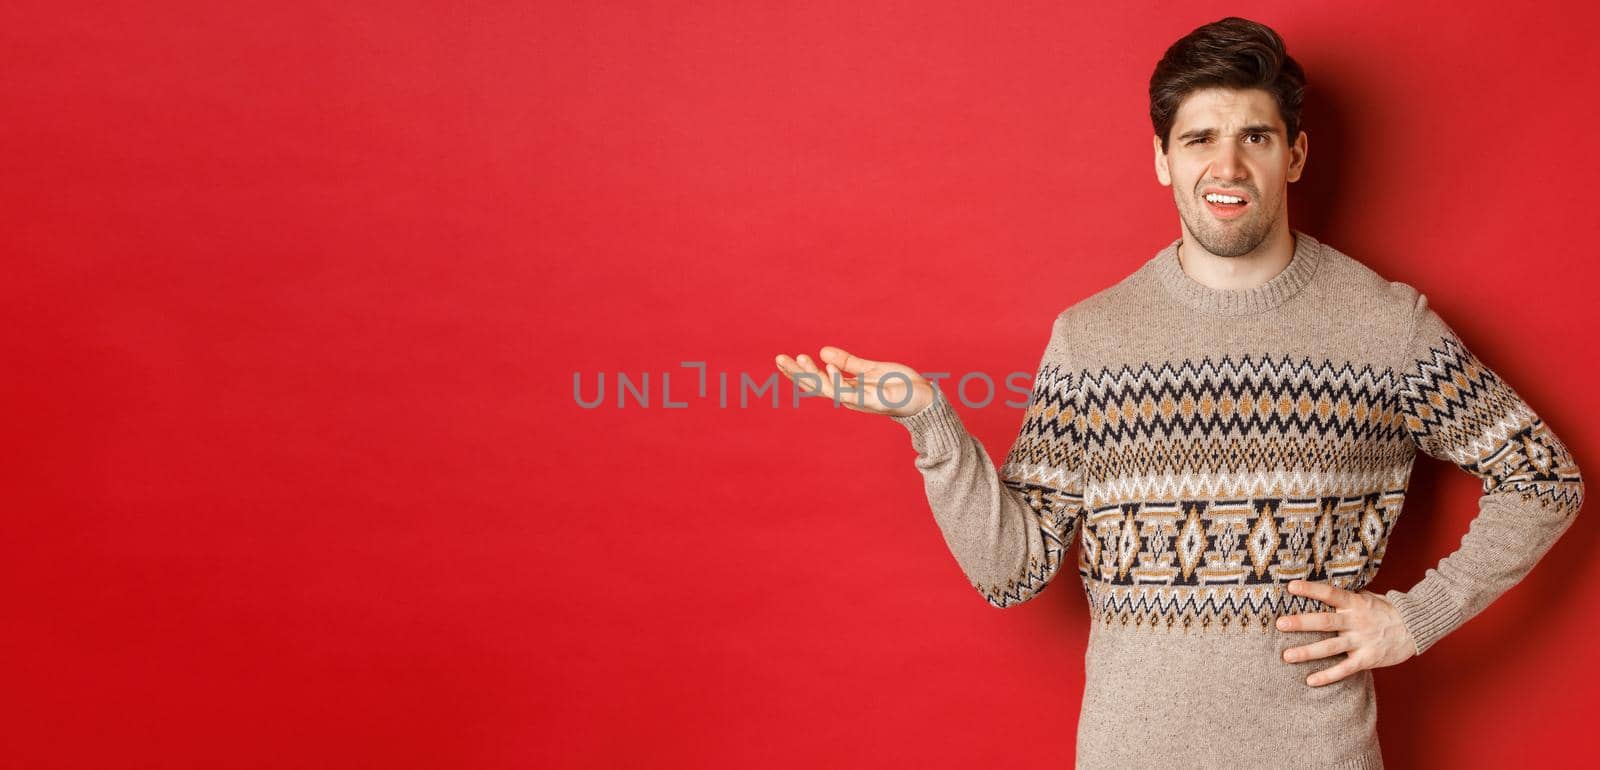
[[1228, 443], [1221, 477]]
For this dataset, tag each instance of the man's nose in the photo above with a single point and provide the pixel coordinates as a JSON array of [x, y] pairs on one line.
[[1227, 164]]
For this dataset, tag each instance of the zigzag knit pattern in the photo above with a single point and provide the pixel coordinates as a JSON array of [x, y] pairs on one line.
[[1200, 488], [1460, 410]]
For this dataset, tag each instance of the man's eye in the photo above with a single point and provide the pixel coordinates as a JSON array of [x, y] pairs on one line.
[[1262, 137]]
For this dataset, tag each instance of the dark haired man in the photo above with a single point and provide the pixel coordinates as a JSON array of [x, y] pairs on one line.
[[1230, 432]]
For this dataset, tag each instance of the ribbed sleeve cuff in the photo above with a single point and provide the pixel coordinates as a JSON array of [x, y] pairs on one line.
[[1428, 612], [936, 430]]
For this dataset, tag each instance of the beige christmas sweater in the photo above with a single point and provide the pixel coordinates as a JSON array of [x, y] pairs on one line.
[[1207, 446]]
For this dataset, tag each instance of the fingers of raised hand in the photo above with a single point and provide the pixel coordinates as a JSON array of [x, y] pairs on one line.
[[853, 393], [844, 360], [818, 382], [789, 367], [806, 379]]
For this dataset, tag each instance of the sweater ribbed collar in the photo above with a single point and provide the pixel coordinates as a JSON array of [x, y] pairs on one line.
[[1235, 302]]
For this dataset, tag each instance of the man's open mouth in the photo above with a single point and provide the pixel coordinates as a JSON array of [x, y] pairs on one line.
[[1225, 205]]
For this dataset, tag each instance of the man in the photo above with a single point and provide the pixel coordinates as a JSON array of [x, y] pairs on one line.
[[1230, 432]]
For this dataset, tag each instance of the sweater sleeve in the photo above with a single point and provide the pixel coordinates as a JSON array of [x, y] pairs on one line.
[[1009, 530], [1457, 409]]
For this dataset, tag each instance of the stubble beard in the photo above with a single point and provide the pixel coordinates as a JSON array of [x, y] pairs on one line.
[[1233, 238]]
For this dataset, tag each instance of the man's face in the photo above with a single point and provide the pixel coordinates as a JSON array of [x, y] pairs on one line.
[[1230, 142]]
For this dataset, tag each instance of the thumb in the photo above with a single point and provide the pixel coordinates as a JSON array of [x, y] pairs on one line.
[[845, 361]]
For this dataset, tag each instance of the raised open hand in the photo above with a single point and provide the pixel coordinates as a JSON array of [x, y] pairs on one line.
[[875, 387]]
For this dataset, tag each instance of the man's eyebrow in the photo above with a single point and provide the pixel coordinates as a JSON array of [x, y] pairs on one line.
[[1254, 128]]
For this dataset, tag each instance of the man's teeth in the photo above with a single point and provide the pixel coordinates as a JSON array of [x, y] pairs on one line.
[[1216, 198]]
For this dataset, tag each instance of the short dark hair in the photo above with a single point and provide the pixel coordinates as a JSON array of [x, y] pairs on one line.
[[1230, 53]]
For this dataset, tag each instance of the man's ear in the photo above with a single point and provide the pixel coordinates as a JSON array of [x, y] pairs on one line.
[[1162, 172], [1297, 157]]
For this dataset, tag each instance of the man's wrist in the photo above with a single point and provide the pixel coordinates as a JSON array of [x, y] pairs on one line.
[[935, 429], [1427, 612]]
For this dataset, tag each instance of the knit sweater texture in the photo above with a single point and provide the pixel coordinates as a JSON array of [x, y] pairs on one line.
[[1207, 446]]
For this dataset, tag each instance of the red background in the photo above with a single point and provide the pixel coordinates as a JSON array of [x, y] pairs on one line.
[[294, 296]]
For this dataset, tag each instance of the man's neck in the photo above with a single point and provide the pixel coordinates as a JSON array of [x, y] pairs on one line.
[[1245, 271]]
